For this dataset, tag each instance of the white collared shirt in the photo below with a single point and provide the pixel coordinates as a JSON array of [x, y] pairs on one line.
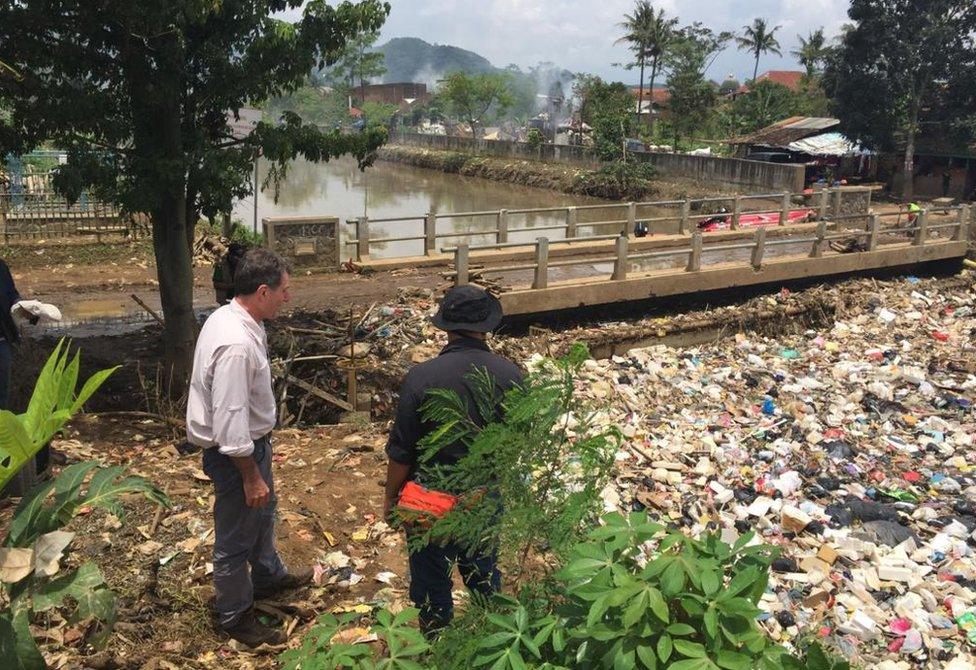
[[231, 400]]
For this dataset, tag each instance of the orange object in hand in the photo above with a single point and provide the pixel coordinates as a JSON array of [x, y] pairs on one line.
[[415, 497]]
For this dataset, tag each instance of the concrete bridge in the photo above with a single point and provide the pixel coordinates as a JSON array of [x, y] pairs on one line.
[[875, 247], [588, 255]]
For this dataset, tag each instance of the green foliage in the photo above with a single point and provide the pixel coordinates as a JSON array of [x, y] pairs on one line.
[[631, 179], [904, 75], [649, 36], [534, 138], [145, 118], [404, 646], [35, 537], [812, 52], [904, 72], [475, 99], [634, 595], [768, 102], [693, 98], [313, 105], [357, 63], [54, 401], [608, 109], [758, 39], [531, 476]]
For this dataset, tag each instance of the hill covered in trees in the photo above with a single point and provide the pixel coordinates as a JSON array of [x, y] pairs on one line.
[[413, 59]]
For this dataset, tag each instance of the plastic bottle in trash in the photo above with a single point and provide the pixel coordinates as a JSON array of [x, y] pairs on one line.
[[768, 408]]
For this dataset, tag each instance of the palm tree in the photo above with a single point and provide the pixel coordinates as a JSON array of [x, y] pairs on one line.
[[812, 51], [649, 34], [758, 39]]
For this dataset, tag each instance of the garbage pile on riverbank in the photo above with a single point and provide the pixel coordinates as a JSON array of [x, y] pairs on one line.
[[850, 446]]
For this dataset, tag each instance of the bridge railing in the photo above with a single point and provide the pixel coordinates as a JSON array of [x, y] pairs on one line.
[[573, 223], [876, 234]]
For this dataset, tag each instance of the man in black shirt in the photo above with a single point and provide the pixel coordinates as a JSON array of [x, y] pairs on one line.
[[467, 313]]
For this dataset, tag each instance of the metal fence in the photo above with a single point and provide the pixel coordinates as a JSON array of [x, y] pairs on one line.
[[30, 208]]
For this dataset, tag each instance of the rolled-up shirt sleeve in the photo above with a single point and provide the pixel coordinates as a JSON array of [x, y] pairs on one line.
[[407, 429], [229, 396]]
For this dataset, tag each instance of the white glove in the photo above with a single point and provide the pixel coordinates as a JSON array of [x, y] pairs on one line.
[[27, 309]]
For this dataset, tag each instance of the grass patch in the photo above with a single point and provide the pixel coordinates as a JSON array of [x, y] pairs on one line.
[[60, 253]]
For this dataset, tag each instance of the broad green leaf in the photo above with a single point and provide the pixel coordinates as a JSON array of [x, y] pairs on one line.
[[680, 629], [689, 649], [710, 582], [711, 621], [77, 584], [29, 517], [91, 385], [664, 647], [658, 605], [739, 583], [673, 579], [646, 656], [496, 639], [17, 648], [45, 393], [691, 664], [733, 660], [635, 610], [16, 445], [597, 610]]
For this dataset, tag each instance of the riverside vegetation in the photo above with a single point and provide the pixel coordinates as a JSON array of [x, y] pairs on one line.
[[616, 181]]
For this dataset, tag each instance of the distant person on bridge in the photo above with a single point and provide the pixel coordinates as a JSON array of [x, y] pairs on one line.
[[467, 313], [230, 413]]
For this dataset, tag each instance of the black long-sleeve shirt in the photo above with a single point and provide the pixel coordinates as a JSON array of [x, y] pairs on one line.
[[9, 296], [448, 371]]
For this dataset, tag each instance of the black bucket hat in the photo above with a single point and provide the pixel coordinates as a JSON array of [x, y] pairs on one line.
[[470, 308]]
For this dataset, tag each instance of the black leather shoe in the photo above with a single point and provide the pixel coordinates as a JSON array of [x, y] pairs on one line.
[[253, 633], [291, 580]]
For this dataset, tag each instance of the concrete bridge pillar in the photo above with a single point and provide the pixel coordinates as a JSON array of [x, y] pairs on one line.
[[572, 219]]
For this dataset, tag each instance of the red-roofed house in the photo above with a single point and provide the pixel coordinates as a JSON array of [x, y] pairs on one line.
[[655, 100], [788, 78]]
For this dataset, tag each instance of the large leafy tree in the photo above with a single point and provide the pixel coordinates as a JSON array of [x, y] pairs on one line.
[[812, 52], [649, 34], [141, 95], [768, 102], [693, 96], [904, 68], [608, 109], [758, 39], [358, 63], [476, 98]]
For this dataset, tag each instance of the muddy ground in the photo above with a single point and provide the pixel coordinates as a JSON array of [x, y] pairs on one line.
[[329, 486]]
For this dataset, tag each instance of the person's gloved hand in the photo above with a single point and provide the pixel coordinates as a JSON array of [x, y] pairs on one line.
[[35, 310]]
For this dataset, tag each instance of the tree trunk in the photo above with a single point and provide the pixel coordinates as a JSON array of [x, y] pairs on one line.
[[175, 272], [159, 149], [651, 106], [640, 91], [755, 71], [908, 169]]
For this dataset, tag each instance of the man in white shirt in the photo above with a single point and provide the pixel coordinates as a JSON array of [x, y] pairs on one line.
[[230, 414]]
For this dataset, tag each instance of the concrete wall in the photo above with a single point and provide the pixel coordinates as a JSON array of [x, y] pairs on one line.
[[747, 176]]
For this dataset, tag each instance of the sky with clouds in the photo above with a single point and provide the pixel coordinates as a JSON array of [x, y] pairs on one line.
[[579, 35]]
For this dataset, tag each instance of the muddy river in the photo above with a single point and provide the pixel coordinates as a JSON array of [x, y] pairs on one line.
[[339, 188]]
